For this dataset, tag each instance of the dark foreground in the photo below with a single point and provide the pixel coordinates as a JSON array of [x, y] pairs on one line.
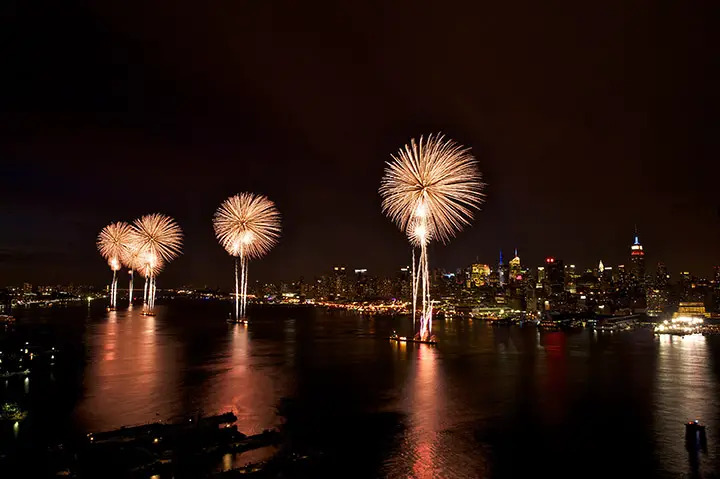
[[347, 402]]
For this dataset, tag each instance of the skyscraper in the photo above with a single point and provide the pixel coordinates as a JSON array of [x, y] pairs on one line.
[[480, 274], [555, 275], [662, 278], [637, 261], [501, 270], [515, 268]]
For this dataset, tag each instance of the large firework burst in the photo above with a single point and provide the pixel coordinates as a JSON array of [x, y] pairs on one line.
[[157, 234], [431, 187], [156, 239], [112, 242], [429, 190], [247, 226]]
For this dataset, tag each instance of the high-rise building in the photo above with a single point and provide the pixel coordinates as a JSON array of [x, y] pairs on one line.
[[339, 286], [571, 278], [637, 262], [554, 275], [480, 274], [541, 275], [501, 270], [717, 276], [662, 278], [515, 268], [361, 287]]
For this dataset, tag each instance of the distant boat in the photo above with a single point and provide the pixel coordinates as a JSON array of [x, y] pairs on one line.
[[695, 437], [404, 339], [232, 320]]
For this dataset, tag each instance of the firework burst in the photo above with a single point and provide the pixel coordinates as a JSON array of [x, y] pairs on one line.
[[430, 189], [156, 240], [112, 242], [247, 226]]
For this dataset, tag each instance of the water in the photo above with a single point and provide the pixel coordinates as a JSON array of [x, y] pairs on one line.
[[486, 402]]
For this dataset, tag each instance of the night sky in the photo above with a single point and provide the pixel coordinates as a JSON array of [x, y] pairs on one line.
[[586, 117]]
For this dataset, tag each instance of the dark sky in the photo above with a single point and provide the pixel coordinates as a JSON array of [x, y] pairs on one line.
[[586, 118]]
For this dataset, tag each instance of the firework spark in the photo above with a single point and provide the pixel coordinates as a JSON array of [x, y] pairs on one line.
[[112, 243], [247, 226], [156, 239], [430, 189]]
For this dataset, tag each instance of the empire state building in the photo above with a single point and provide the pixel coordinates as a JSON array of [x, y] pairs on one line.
[[637, 261]]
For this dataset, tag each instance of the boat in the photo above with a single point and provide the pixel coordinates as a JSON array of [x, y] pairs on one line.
[[148, 313], [405, 339], [695, 437], [6, 318], [237, 321]]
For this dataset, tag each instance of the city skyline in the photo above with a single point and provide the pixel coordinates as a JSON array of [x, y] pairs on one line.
[[651, 269]]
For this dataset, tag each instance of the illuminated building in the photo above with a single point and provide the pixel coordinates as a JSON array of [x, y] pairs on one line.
[[515, 268], [554, 275], [717, 276], [601, 269], [339, 282], [637, 261], [501, 270], [686, 285], [662, 278], [620, 276], [570, 278], [361, 288], [657, 301], [540, 275], [480, 274], [688, 319]]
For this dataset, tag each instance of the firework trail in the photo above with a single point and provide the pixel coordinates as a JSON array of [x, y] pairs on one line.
[[112, 243], [157, 239], [430, 189], [131, 262], [247, 226]]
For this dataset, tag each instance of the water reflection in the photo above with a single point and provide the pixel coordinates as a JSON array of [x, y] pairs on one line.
[[486, 402], [129, 379], [428, 403], [685, 390]]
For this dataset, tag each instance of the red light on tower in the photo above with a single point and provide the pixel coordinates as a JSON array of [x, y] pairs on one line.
[[549, 260]]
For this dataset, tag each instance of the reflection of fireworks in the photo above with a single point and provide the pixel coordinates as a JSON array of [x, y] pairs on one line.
[[156, 240], [112, 243], [247, 226], [430, 189]]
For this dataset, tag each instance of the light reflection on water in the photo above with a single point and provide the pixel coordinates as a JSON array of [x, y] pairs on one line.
[[486, 402], [685, 390]]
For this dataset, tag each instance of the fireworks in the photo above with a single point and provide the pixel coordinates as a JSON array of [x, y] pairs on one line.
[[247, 226], [112, 242], [156, 239], [430, 190], [157, 234]]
